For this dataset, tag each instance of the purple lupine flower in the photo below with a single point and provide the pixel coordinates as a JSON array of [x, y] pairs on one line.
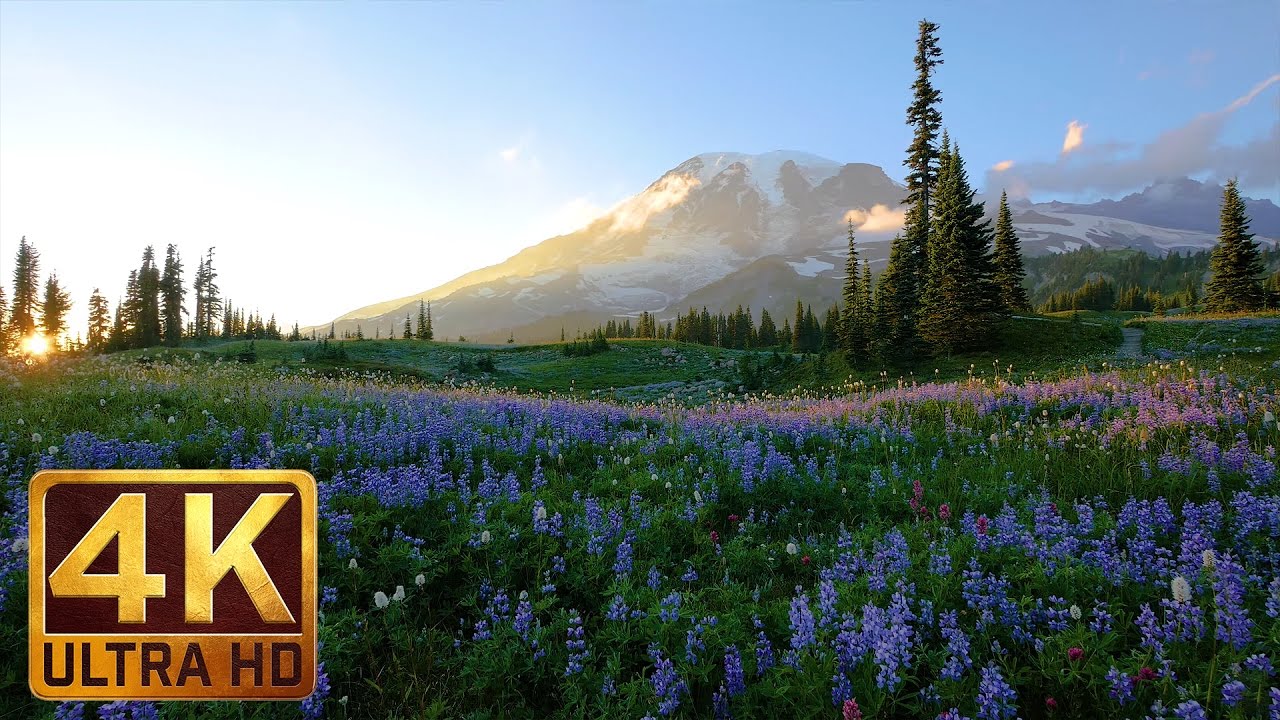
[[670, 607], [313, 707], [802, 630], [1121, 686], [996, 699], [1190, 710], [69, 711], [617, 610], [734, 678], [764, 648], [1232, 693], [667, 685], [957, 645], [1259, 663], [622, 563], [693, 643], [524, 619], [1234, 625], [576, 644]]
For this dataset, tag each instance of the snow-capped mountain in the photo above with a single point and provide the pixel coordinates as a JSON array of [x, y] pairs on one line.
[[723, 229]]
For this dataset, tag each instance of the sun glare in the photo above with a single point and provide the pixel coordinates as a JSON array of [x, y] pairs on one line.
[[35, 345]]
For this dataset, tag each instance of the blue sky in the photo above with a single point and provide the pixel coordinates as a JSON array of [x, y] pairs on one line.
[[344, 153]]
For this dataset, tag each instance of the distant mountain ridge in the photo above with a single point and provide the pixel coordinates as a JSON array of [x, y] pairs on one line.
[[723, 229]]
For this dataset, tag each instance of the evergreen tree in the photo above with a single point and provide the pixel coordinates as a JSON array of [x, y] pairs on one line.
[[867, 300], [148, 323], [119, 339], [786, 336], [208, 302], [26, 288], [422, 321], [902, 281], [768, 334], [1236, 264], [56, 304], [896, 300], [129, 311], [831, 329], [853, 336], [798, 334], [172, 296], [332, 335], [958, 308], [408, 330], [1009, 272]]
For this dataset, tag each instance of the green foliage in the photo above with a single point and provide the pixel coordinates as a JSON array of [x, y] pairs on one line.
[[1009, 272], [1236, 264], [583, 347]]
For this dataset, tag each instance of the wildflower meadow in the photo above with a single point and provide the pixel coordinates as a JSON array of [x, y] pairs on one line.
[[1100, 543]]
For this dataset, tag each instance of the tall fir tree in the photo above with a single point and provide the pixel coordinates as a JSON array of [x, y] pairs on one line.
[[172, 296], [1236, 264], [852, 324], [797, 333], [431, 333], [422, 321], [959, 306], [1009, 271], [55, 306], [148, 329], [903, 279], [768, 334], [26, 290], [208, 301], [867, 300], [408, 330]]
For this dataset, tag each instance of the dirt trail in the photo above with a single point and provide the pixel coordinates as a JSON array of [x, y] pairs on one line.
[[1131, 346]]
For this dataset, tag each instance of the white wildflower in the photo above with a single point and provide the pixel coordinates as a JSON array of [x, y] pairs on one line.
[[485, 537], [21, 545], [310, 446], [102, 402], [342, 701], [53, 449], [1181, 589], [697, 496], [1075, 611], [172, 420], [792, 549], [668, 485], [524, 594], [626, 461], [380, 599], [420, 580], [21, 421], [540, 512], [1208, 559], [398, 595], [653, 477], [352, 565], [36, 438]]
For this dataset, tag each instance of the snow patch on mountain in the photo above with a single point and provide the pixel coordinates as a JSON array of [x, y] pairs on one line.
[[810, 267]]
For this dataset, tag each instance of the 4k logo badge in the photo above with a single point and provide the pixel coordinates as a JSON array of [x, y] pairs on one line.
[[172, 584]]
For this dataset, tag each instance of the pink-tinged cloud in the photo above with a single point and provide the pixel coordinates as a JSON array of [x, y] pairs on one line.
[[1189, 149], [1002, 165], [1075, 136], [880, 218]]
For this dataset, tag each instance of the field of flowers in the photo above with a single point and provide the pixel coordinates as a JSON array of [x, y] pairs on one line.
[[1102, 545]]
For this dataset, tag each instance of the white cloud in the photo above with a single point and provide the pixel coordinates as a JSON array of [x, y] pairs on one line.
[[511, 154], [631, 215], [1186, 150], [1002, 165], [1074, 138], [881, 218]]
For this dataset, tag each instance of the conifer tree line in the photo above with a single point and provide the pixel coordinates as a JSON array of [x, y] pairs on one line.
[[152, 311]]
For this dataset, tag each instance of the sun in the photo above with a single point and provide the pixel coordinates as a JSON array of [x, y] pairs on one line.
[[35, 345]]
